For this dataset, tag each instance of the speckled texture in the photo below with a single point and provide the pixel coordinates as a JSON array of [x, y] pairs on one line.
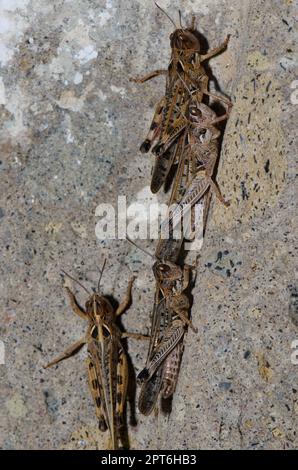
[[71, 127]]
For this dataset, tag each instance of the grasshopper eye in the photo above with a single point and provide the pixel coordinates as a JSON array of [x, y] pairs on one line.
[[204, 135], [164, 268], [195, 111]]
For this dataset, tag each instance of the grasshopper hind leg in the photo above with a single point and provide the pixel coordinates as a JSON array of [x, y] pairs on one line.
[[71, 351], [121, 395], [154, 127], [95, 389]]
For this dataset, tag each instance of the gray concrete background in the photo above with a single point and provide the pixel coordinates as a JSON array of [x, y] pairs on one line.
[[72, 124]]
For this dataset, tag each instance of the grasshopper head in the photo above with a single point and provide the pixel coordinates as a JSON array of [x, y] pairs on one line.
[[167, 271], [99, 307], [194, 113], [201, 117], [184, 39]]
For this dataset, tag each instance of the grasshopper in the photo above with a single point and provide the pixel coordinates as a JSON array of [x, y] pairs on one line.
[[107, 361], [167, 124], [168, 326], [200, 157], [170, 318]]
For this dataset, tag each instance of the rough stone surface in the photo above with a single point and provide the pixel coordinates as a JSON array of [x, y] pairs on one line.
[[71, 127]]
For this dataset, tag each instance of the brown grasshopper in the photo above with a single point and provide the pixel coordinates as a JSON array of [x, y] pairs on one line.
[[200, 157], [107, 360], [168, 326], [168, 124], [170, 318]]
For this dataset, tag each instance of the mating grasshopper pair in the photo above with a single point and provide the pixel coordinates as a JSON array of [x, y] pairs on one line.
[[185, 76], [107, 364], [182, 133]]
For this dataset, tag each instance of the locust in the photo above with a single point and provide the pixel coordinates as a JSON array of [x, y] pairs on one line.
[[200, 157], [168, 123], [169, 323], [107, 360]]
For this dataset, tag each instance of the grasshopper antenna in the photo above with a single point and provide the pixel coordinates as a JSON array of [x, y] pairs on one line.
[[180, 19], [75, 280], [137, 246], [101, 273], [168, 16]]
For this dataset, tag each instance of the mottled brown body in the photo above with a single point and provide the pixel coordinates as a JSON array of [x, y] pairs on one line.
[[185, 67], [171, 371], [170, 318], [107, 361]]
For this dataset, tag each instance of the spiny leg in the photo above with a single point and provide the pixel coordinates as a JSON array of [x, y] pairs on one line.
[[214, 187], [74, 305], [206, 206], [216, 50], [186, 320], [223, 117], [71, 351], [186, 276], [95, 389], [179, 304], [120, 431], [224, 100], [149, 76], [127, 299], [135, 336], [154, 127]]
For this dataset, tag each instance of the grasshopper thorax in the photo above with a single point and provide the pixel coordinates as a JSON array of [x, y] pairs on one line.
[[99, 308]]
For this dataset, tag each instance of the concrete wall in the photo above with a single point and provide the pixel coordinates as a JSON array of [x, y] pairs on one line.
[[72, 126]]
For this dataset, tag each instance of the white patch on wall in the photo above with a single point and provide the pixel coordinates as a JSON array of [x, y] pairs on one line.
[[101, 95], [78, 78], [120, 90], [69, 137], [107, 14], [104, 17], [109, 124], [12, 5], [75, 49], [68, 99], [2, 92], [86, 54], [68, 129], [12, 27], [16, 103]]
